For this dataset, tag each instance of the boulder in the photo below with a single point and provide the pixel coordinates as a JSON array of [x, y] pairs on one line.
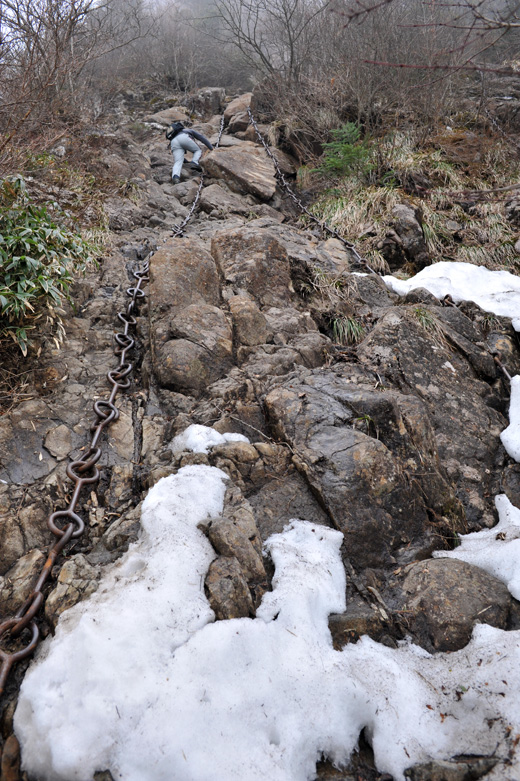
[[237, 105], [169, 115], [216, 199], [200, 351], [445, 597], [418, 359], [351, 445], [249, 324], [182, 272], [208, 101], [254, 260], [239, 122], [405, 242], [227, 590], [245, 169]]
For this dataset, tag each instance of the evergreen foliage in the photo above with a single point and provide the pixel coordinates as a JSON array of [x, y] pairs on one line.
[[346, 153], [38, 258]]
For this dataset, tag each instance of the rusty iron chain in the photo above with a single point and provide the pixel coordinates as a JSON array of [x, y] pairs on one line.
[[67, 524], [290, 192], [178, 230]]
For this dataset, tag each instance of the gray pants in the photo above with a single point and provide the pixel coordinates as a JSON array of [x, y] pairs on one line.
[[180, 144]]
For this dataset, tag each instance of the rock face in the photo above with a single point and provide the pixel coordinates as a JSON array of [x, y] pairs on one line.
[[246, 170], [393, 440]]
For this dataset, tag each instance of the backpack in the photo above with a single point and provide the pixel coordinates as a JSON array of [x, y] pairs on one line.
[[174, 129]]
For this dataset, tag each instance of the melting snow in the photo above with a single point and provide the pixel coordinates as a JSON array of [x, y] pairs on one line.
[[200, 439], [493, 291], [139, 681]]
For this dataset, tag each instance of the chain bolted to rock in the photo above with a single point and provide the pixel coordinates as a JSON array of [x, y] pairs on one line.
[[66, 524], [290, 192], [81, 472]]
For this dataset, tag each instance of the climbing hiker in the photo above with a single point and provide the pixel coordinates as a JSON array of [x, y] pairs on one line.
[[181, 141]]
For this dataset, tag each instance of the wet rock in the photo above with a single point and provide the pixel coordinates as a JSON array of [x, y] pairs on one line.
[[245, 169], [444, 599], [283, 495], [255, 261], [405, 241], [23, 458], [23, 516], [10, 760], [422, 363], [227, 589], [238, 536], [512, 210], [359, 619], [510, 483]]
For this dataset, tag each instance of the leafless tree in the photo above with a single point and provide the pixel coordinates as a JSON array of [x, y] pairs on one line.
[[278, 37], [45, 47]]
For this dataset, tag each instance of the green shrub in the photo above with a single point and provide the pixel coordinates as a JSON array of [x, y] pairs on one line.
[[346, 153], [38, 258]]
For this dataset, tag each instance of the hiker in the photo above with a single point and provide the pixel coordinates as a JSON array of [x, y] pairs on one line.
[[181, 141]]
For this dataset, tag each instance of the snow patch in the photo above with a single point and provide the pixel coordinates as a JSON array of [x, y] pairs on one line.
[[493, 291], [510, 436], [137, 680], [200, 439]]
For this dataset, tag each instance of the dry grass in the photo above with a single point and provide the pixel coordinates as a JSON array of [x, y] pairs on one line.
[[14, 378], [454, 163]]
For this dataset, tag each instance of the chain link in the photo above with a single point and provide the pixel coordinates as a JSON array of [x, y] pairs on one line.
[[67, 524], [290, 192], [178, 230]]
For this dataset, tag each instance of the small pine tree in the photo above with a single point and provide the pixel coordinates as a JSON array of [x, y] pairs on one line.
[[346, 153]]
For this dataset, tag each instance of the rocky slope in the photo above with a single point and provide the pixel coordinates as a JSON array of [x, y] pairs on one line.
[[393, 441]]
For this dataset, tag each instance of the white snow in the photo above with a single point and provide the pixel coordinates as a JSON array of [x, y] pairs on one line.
[[493, 291], [138, 681], [200, 439], [510, 436]]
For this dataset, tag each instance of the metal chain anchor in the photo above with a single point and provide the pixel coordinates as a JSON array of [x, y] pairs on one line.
[[67, 524], [290, 192], [178, 230]]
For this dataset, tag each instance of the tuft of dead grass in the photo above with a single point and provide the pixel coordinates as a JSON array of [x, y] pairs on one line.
[[458, 225]]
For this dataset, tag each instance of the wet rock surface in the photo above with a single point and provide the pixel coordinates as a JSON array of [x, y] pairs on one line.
[[395, 441]]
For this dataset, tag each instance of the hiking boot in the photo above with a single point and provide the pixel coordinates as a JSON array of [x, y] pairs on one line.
[[195, 167], [176, 179]]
